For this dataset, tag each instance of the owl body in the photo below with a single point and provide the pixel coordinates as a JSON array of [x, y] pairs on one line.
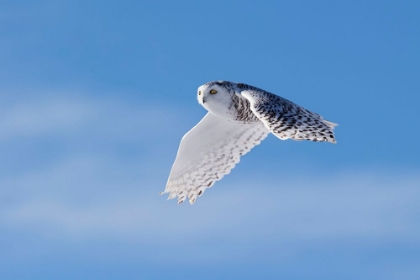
[[240, 117]]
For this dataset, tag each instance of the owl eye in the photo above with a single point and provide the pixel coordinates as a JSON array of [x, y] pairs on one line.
[[213, 91]]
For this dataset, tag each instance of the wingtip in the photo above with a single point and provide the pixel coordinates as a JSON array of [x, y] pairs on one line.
[[330, 124]]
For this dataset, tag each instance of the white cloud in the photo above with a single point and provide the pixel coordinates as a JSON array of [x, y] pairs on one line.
[[124, 205], [44, 117], [72, 114]]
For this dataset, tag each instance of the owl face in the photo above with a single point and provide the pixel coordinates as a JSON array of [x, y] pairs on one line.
[[216, 98]]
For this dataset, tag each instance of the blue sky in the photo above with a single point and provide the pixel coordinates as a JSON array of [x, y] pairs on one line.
[[96, 96]]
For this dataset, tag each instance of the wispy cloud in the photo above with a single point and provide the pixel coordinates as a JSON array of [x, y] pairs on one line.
[[79, 199], [72, 114]]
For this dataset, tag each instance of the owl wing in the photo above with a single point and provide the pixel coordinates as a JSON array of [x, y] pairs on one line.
[[287, 120], [208, 152]]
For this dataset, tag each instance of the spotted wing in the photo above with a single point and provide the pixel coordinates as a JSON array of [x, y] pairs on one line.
[[208, 152], [287, 120]]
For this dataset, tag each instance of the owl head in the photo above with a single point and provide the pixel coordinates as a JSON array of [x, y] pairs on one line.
[[217, 97]]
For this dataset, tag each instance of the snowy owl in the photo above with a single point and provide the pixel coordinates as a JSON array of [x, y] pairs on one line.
[[239, 117]]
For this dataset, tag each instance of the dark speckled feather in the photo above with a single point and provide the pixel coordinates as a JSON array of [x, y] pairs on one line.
[[282, 117], [287, 120]]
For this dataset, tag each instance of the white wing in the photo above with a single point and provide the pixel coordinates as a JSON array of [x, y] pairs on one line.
[[208, 152], [287, 120]]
